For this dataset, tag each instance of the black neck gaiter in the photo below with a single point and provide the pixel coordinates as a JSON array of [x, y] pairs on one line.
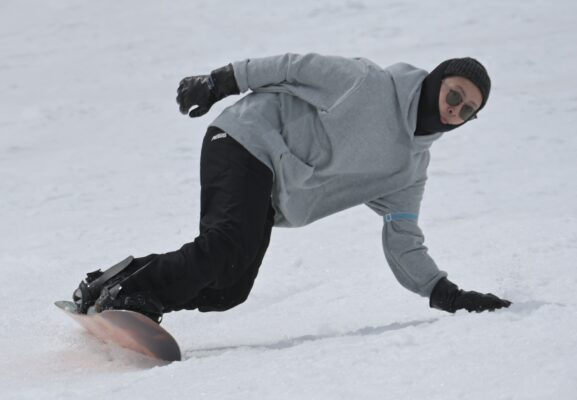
[[428, 117]]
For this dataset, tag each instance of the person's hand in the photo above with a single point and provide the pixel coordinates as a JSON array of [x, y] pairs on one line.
[[447, 296], [203, 91]]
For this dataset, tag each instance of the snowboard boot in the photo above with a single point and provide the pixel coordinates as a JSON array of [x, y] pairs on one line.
[[103, 290]]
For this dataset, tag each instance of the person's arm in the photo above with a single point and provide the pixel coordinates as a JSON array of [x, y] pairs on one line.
[[403, 244], [403, 240], [324, 80]]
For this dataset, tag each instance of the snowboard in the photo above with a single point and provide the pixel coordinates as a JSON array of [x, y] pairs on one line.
[[128, 329]]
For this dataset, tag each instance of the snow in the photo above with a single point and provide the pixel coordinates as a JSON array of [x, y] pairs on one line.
[[96, 163]]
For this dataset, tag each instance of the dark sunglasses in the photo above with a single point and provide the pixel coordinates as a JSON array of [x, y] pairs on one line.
[[454, 98]]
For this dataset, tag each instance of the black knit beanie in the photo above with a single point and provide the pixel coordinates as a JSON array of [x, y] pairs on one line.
[[428, 118]]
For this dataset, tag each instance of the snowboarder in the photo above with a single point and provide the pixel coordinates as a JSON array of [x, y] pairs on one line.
[[318, 134]]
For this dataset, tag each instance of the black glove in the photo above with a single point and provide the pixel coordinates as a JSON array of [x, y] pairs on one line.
[[447, 296], [205, 90]]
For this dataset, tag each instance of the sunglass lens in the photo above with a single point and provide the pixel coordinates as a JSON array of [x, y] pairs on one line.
[[454, 98], [466, 112]]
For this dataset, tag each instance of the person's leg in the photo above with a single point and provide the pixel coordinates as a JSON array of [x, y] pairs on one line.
[[235, 222], [212, 299]]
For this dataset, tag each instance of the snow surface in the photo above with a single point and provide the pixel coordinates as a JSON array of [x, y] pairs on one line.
[[96, 163]]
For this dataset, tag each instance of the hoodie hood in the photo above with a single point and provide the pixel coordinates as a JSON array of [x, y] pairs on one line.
[[409, 82]]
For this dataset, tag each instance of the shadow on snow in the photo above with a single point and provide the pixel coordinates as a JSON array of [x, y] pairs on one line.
[[292, 342]]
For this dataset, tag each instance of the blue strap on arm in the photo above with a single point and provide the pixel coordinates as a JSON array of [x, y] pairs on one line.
[[400, 216]]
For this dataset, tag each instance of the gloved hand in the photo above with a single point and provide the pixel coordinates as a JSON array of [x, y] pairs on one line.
[[447, 296], [205, 90]]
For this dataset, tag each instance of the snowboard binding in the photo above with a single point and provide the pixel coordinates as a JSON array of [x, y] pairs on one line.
[[103, 291]]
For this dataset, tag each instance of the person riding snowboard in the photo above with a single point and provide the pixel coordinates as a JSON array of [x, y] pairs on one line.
[[317, 135]]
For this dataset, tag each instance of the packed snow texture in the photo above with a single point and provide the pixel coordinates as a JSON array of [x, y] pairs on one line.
[[96, 163]]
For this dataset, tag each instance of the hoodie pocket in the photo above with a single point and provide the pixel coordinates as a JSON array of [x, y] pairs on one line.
[[293, 171]]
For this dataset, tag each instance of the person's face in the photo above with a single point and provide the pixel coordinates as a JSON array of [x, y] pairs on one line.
[[470, 97]]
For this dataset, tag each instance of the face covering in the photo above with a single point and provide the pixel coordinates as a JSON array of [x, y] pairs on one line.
[[428, 117]]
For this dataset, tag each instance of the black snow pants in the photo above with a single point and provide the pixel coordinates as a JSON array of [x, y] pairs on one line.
[[217, 270]]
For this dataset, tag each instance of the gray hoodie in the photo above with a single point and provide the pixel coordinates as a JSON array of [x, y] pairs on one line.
[[338, 132]]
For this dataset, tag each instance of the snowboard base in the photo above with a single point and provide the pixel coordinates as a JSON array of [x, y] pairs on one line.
[[128, 329]]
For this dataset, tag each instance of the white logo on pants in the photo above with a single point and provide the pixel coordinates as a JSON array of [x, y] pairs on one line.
[[218, 136]]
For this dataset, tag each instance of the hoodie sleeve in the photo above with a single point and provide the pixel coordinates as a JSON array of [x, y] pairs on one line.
[[323, 81], [403, 240]]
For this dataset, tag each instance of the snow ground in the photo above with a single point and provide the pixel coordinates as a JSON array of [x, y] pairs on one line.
[[96, 163]]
